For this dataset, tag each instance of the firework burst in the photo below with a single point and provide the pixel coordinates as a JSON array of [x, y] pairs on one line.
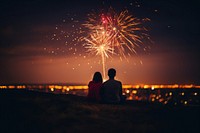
[[99, 43], [126, 32], [111, 33]]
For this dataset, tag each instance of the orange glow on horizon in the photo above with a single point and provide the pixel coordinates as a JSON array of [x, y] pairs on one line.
[[70, 87]]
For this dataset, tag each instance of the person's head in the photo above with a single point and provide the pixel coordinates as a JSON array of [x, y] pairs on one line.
[[97, 77], [111, 73]]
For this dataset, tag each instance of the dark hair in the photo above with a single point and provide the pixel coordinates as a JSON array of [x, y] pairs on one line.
[[97, 77], [111, 73]]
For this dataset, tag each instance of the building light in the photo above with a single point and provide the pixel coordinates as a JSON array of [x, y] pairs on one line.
[[185, 102], [161, 100], [127, 91], [153, 99], [11, 87], [52, 89], [130, 98], [3, 87], [134, 92], [152, 88]]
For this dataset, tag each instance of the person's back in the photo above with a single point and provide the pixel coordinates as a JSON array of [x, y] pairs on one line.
[[111, 89], [94, 87], [94, 90]]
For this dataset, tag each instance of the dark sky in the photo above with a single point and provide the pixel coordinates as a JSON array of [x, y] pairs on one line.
[[38, 42]]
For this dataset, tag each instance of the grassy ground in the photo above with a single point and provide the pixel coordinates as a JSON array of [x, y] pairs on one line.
[[35, 112]]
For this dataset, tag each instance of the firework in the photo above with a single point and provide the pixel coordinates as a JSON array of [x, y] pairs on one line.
[[99, 43], [111, 33], [125, 31]]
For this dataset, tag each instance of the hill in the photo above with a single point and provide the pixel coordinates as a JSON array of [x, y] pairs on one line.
[[35, 112]]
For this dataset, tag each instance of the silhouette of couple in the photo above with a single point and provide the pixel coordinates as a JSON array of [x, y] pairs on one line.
[[108, 92]]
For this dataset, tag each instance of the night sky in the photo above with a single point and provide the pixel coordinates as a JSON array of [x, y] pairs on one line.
[[38, 42]]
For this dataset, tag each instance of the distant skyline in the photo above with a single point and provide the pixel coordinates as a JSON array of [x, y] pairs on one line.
[[38, 42]]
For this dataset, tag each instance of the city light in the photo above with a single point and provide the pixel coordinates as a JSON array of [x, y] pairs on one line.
[[127, 91], [164, 94]]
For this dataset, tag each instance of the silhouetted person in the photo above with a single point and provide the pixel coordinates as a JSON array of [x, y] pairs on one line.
[[94, 87], [111, 91]]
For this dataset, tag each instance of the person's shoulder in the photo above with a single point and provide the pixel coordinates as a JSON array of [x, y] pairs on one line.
[[119, 82], [107, 82], [94, 83], [91, 82]]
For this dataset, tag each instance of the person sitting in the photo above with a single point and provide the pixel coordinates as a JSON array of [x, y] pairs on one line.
[[94, 87], [111, 91]]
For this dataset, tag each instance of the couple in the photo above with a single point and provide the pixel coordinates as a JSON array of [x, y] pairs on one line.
[[108, 92]]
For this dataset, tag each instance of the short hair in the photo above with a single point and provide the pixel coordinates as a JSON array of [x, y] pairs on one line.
[[97, 77], [111, 72]]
